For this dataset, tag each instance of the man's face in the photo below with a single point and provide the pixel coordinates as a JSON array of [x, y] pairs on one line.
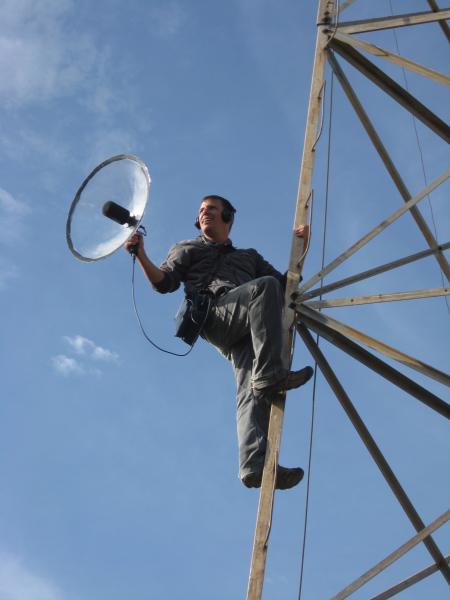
[[211, 222]]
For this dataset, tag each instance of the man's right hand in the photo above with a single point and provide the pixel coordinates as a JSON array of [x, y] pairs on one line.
[[136, 241], [152, 272]]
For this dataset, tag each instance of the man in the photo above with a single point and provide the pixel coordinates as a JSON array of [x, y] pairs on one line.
[[244, 323]]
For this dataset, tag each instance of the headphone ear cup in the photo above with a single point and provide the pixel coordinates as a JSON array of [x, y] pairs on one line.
[[227, 215], [197, 223]]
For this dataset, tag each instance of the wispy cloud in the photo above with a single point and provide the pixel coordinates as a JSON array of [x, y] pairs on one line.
[[81, 345], [39, 60], [65, 365], [18, 582], [86, 360]]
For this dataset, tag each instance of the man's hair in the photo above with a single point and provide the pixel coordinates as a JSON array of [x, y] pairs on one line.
[[226, 204]]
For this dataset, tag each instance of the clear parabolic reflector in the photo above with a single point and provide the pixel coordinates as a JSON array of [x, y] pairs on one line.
[[123, 179]]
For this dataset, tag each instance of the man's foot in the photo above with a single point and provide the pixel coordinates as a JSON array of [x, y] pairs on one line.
[[286, 478], [294, 379]]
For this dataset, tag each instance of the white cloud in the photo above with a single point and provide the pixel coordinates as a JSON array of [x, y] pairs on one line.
[[83, 346], [39, 60], [17, 582], [66, 365], [12, 214], [88, 356]]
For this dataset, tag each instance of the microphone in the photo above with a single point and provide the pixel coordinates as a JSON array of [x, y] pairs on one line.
[[119, 214]]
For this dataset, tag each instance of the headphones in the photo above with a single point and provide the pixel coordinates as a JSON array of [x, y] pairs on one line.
[[227, 212]]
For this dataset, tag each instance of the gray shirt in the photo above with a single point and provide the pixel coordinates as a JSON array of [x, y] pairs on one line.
[[204, 265]]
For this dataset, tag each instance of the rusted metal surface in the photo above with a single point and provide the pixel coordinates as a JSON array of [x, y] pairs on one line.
[[374, 232], [358, 583], [387, 161], [391, 57], [372, 272], [371, 342], [445, 28], [266, 499], [391, 87], [392, 22], [380, 367], [408, 582], [377, 298], [373, 449]]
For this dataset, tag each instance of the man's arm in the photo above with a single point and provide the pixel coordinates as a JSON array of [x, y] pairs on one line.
[[153, 273]]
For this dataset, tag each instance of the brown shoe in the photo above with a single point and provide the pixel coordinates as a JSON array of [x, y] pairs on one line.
[[286, 478], [294, 379]]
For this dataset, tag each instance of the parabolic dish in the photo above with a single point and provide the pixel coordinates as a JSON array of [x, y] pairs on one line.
[[123, 179]]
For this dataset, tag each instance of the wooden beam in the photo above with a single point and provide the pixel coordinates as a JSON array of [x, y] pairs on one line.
[[373, 448], [445, 28], [390, 56], [392, 22], [370, 273], [387, 161], [368, 575], [408, 582], [367, 340], [373, 232], [266, 499], [378, 366], [377, 298], [393, 89]]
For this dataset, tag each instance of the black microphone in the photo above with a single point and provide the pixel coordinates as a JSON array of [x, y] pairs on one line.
[[119, 214]]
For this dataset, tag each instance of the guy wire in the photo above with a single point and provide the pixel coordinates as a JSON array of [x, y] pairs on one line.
[[313, 405], [419, 148]]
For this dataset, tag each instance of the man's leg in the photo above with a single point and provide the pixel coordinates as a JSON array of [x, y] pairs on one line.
[[253, 309], [252, 415]]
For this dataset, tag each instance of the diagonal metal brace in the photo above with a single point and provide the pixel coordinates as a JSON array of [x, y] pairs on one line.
[[379, 366], [396, 91], [373, 448]]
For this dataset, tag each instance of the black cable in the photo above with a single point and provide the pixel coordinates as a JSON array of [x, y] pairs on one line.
[[313, 407], [140, 323]]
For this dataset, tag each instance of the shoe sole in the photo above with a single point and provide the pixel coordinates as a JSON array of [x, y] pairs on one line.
[[285, 480]]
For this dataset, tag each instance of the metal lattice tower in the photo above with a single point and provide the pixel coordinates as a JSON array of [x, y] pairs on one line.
[[338, 42]]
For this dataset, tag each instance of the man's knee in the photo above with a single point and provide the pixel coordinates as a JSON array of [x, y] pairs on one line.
[[268, 285]]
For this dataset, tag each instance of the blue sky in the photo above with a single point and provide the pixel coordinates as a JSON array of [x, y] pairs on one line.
[[119, 463]]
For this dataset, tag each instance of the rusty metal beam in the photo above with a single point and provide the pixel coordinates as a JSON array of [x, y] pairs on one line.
[[445, 28], [367, 340], [373, 233], [392, 22], [378, 366], [358, 583], [266, 499], [377, 298], [411, 65], [372, 272], [373, 449], [391, 87], [387, 161], [408, 582]]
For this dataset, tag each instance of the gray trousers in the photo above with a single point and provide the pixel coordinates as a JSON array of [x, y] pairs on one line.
[[245, 324]]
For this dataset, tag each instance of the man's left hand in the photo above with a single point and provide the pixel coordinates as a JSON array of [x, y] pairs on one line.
[[302, 232]]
